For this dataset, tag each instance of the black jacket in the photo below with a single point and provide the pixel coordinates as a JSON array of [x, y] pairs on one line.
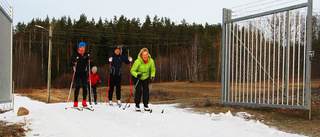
[[82, 61], [117, 63]]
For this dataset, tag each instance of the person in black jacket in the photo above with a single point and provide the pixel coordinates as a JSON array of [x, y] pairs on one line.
[[115, 73], [79, 61]]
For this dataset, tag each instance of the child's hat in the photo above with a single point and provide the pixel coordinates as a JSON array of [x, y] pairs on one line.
[[94, 68]]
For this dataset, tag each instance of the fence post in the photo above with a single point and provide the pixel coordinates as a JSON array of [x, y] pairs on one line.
[[222, 54], [308, 60], [287, 65]]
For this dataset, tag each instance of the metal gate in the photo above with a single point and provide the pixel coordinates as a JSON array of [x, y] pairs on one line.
[[266, 59]]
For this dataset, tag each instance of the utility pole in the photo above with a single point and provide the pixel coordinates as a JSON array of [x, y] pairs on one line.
[[49, 59], [49, 62]]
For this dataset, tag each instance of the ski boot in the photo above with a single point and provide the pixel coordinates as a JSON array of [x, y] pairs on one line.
[[84, 103], [75, 104], [119, 103], [110, 103], [138, 108], [146, 108]]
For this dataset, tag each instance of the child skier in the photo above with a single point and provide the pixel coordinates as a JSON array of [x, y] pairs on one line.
[[79, 61], [94, 80], [143, 67]]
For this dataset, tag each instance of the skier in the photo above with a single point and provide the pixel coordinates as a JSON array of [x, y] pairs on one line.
[[115, 73], [140, 71], [81, 58], [94, 80]]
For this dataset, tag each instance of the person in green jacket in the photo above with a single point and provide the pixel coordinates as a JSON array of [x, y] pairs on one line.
[[143, 68]]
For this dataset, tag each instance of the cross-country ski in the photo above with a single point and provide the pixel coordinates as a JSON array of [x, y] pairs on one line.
[[76, 108], [88, 108]]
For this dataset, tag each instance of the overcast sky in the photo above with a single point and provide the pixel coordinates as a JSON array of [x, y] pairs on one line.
[[198, 11]]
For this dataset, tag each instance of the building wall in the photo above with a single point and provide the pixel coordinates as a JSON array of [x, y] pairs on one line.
[[5, 56]]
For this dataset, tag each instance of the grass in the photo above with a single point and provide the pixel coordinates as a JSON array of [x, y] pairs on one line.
[[11, 130], [204, 97]]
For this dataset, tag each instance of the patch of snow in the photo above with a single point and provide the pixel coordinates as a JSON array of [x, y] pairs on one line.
[[54, 120]]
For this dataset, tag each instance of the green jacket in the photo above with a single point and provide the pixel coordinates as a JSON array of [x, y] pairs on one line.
[[139, 67]]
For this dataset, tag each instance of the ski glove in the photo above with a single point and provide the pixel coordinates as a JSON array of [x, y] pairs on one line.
[[74, 68], [110, 59], [152, 79], [75, 61], [139, 76], [130, 59]]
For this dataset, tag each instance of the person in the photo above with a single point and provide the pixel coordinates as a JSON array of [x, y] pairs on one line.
[[94, 76], [79, 61], [115, 73], [140, 71]]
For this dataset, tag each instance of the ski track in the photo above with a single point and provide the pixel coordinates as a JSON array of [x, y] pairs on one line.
[[50, 120]]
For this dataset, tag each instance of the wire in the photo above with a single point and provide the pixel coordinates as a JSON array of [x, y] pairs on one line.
[[247, 4], [263, 9], [257, 5], [90, 33]]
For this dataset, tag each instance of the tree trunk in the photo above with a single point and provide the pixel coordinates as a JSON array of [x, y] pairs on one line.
[[58, 58], [42, 53], [29, 43]]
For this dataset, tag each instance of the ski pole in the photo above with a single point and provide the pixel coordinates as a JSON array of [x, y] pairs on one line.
[[130, 83], [74, 72], [150, 87], [90, 94], [131, 94], [108, 84], [100, 93]]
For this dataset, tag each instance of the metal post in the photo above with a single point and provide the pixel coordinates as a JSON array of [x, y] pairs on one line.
[[228, 33], [232, 63], [308, 63], [223, 58], [299, 56], [288, 30], [11, 56], [12, 96], [49, 62], [248, 63]]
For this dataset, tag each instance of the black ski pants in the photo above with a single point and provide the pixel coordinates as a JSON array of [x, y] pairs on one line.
[[80, 78], [94, 91], [145, 85], [115, 80]]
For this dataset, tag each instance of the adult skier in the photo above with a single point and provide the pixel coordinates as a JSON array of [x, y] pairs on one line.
[[143, 67], [80, 59], [115, 73]]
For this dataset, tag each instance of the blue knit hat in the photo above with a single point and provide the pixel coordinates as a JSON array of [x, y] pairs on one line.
[[82, 44]]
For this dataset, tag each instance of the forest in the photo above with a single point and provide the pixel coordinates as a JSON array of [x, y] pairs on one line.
[[181, 51]]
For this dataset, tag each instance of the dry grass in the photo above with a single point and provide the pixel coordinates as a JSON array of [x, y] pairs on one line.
[[11, 130], [205, 97]]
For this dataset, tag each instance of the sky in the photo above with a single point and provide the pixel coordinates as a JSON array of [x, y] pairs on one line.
[[199, 12], [51, 120]]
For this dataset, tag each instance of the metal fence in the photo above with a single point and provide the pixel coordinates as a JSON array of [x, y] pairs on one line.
[[265, 59], [6, 53]]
